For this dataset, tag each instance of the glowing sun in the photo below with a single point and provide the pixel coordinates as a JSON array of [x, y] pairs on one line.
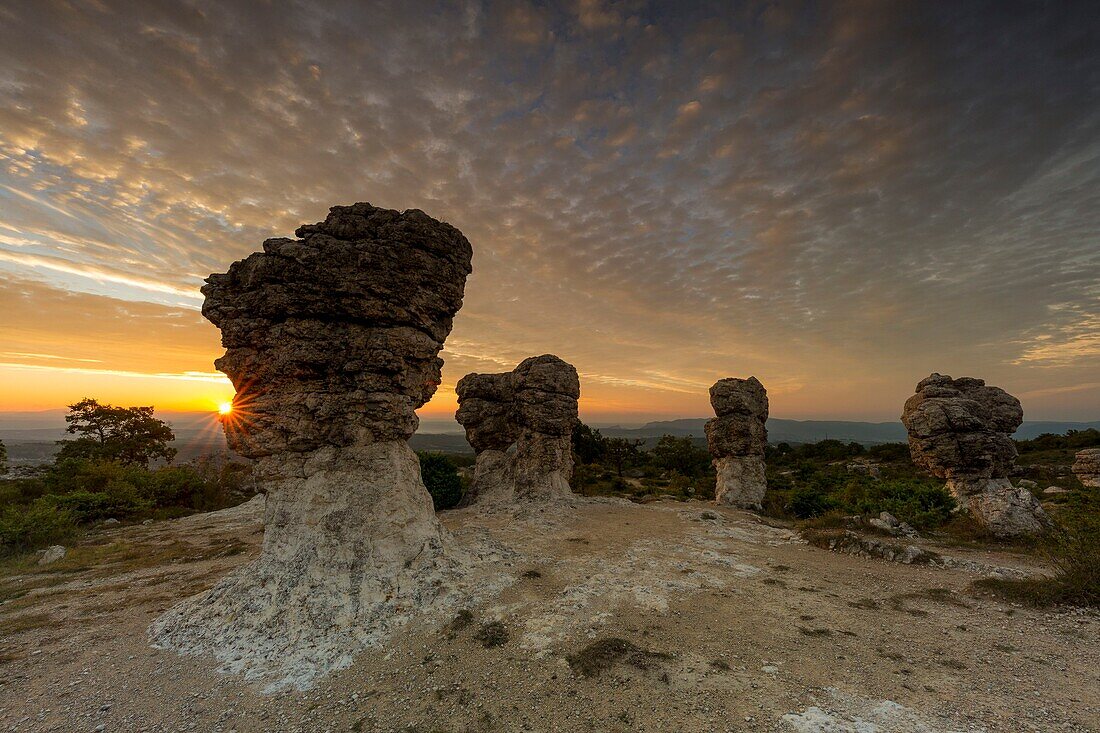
[[225, 408]]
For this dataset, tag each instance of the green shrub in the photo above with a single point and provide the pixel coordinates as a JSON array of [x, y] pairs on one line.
[[21, 491], [41, 524], [1074, 553], [441, 479], [922, 503], [810, 501], [118, 502]]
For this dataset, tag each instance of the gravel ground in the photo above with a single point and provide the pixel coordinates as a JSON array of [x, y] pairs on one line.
[[613, 617]]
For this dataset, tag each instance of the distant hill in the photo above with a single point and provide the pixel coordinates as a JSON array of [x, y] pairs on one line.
[[811, 431], [30, 437]]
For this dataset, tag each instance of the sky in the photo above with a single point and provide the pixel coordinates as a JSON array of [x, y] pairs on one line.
[[838, 198]]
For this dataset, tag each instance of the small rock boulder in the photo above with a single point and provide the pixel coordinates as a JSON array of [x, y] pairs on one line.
[[891, 525], [52, 554], [1087, 467]]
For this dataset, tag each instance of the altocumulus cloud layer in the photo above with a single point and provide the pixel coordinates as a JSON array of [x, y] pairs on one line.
[[836, 197]]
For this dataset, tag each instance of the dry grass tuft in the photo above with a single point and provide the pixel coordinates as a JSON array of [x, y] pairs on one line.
[[603, 654], [492, 634]]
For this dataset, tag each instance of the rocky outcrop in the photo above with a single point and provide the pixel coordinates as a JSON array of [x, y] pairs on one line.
[[1086, 467], [534, 408], [332, 342], [961, 430], [737, 438]]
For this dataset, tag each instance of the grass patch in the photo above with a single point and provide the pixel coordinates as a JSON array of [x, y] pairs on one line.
[[1075, 555], [945, 596], [603, 654], [25, 622]]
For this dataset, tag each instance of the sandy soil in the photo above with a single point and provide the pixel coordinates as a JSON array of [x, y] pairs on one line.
[[724, 624]]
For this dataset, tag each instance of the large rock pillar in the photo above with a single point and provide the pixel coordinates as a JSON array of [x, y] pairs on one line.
[[961, 430], [332, 343], [737, 438], [534, 408]]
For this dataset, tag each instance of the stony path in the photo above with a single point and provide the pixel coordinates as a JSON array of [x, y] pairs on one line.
[[703, 619]]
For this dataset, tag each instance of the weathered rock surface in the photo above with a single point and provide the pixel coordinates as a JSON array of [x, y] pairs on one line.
[[52, 554], [737, 438], [961, 430], [332, 343], [534, 408], [1086, 467]]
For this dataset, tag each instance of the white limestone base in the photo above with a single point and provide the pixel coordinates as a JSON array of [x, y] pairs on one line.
[[351, 548], [740, 482]]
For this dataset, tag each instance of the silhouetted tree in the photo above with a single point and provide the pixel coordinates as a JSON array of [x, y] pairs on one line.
[[588, 445], [128, 435], [621, 451]]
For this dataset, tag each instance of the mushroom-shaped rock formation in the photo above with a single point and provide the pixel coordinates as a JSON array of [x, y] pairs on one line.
[[332, 342], [737, 439], [961, 430], [1086, 467], [533, 407]]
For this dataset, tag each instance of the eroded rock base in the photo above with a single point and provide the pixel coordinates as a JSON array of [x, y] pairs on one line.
[[1003, 509], [351, 548], [494, 480], [740, 482]]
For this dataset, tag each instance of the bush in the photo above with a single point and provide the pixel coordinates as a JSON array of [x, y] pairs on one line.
[[892, 452], [85, 507], [809, 501], [922, 503], [441, 479], [681, 455], [1074, 552], [23, 529]]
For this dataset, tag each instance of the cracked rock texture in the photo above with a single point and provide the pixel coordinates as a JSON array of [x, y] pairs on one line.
[[534, 408], [332, 343], [737, 439], [1086, 467], [961, 430]]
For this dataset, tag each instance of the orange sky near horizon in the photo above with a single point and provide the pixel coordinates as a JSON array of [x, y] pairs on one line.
[[806, 193]]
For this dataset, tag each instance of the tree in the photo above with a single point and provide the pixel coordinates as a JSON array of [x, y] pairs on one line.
[[441, 479], [621, 451], [588, 445], [128, 435], [3, 458], [680, 455]]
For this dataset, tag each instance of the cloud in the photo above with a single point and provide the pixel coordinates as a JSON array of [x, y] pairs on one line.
[[833, 197]]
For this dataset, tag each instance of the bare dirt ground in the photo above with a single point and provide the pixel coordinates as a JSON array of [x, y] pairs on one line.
[[613, 617]]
